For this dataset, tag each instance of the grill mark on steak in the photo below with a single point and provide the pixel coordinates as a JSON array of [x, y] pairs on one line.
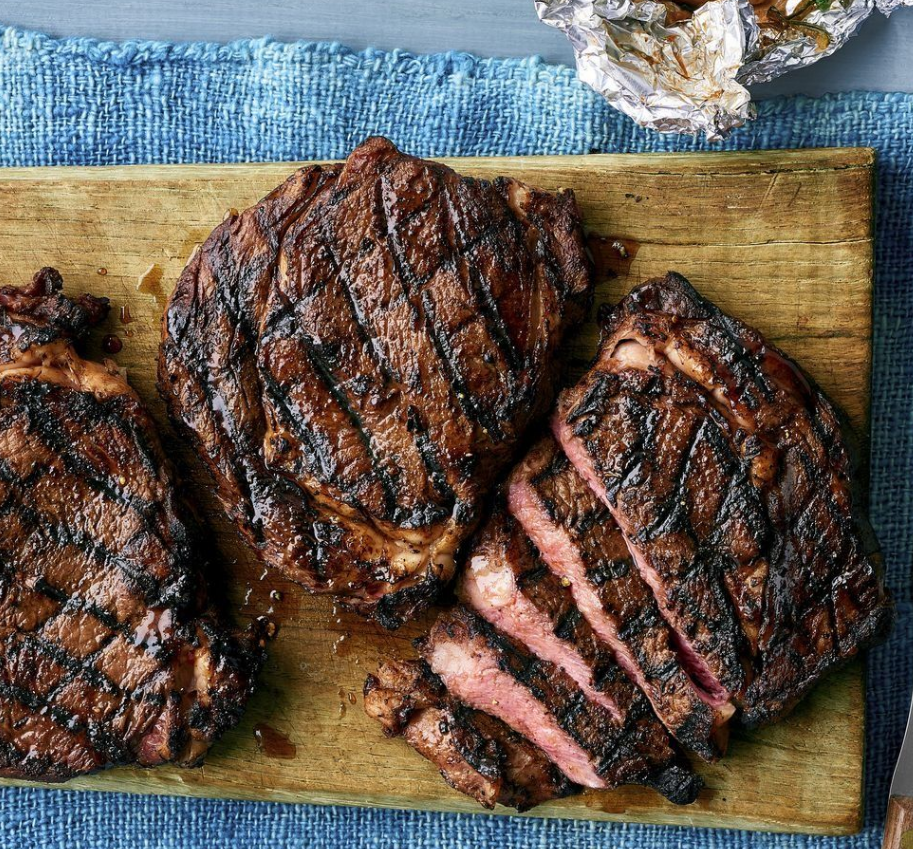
[[350, 269], [319, 454], [530, 211], [110, 651], [776, 519], [387, 265], [671, 511], [362, 325], [491, 672], [390, 508], [362, 387], [474, 280], [72, 668], [234, 300], [424, 310], [50, 430], [476, 753], [490, 426], [59, 535], [75, 602], [430, 456], [582, 545]]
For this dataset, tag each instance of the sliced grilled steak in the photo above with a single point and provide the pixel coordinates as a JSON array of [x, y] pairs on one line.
[[476, 753], [493, 673], [582, 544], [727, 470], [508, 584], [357, 355], [110, 652]]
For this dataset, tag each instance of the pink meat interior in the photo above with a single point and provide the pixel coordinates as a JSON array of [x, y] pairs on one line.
[[490, 589], [474, 677]]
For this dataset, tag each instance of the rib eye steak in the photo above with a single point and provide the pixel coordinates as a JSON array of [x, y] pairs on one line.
[[580, 541], [728, 472], [110, 652], [494, 673], [476, 753], [357, 355]]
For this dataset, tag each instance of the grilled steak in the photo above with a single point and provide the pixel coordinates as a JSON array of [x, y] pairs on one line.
[[582, 544], [491, 672], [357, 355], [476, 753], [508, 584], [110, 652], [729, 475]]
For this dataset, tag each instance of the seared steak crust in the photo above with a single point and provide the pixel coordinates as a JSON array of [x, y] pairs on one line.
[[728, 472], [356, 357], [476, 753], [583, 546], [110, 652], [584, 739]]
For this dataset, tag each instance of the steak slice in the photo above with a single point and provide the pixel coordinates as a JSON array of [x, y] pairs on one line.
[[583, 546], [476, 753], [357, 356], [110, 651], [507, 583], [728, 472], [493, 673]]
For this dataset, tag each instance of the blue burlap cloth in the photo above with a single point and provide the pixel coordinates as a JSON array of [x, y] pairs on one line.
[[81, 102]]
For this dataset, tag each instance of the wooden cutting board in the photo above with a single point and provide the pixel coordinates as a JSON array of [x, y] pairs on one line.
[[782, 240]]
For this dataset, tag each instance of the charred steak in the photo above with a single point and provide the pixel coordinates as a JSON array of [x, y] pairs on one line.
[[583, 546], [357, 355], [491, 672], [476, 753], [110, 652], [729, 475]]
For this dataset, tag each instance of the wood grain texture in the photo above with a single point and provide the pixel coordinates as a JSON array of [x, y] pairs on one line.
[[875, 60], [783, 240]]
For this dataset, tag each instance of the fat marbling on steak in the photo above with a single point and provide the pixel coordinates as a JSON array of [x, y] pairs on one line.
[[729, 475], [357, 356], [110, 652]]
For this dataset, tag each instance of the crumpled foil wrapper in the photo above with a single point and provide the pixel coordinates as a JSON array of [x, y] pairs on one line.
[[888, 6], [691, 76]]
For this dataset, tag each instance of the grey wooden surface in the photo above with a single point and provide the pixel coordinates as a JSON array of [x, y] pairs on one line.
[[880, 58]]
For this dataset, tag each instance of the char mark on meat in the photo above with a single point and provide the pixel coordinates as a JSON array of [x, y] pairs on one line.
[[494, 673], [357, 356], [476, 753], [728, 471], [583, 546], [111, 651]]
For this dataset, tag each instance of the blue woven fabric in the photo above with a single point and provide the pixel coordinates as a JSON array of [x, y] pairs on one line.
[[80, 102]]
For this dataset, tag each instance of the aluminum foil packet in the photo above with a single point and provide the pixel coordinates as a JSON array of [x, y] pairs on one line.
[[679, 66], [888, 6]]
